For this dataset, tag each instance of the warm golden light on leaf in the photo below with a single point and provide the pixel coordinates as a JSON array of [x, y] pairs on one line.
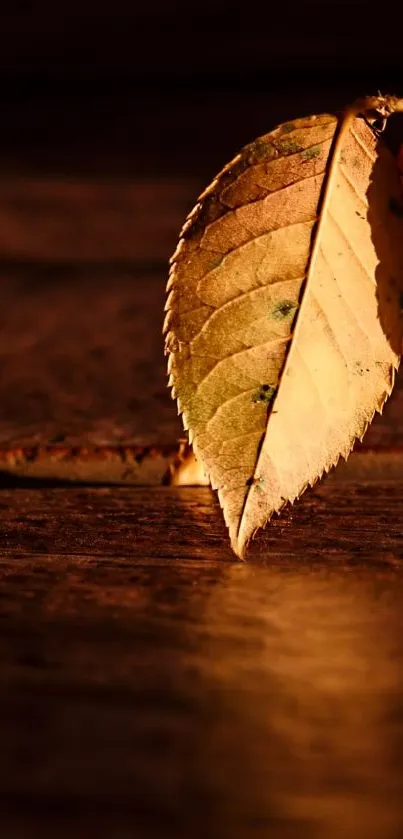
[[284, 322]]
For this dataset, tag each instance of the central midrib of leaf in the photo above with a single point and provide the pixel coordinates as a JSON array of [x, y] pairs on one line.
[[332, 164]]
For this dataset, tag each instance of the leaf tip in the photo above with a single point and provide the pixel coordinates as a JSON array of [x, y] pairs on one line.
[[239, 548]]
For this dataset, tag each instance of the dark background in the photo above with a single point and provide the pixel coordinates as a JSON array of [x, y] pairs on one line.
[[176, 87]]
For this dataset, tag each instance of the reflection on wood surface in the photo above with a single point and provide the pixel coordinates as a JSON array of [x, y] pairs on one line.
[[152, 686]]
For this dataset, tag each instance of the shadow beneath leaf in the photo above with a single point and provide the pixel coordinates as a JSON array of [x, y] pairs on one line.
[[10, 480], [385, 216]]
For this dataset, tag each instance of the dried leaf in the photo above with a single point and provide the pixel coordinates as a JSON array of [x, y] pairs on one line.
[[284, 323]]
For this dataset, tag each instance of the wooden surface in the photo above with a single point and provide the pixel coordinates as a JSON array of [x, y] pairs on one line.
[[150, 685], [83, 291], [82, 362]]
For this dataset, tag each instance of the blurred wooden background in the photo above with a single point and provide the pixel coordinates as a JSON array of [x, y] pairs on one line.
[[149, 685]]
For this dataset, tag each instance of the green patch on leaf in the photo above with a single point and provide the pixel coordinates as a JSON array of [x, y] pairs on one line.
[[289, 147], [282, 309], [261, 150], [265, 394], [311, 153], [288, 127]]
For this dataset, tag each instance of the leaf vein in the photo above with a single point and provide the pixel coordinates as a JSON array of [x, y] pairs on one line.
[[365, 148], [241, 297], [351, 249], [239, 352], [353, 187]]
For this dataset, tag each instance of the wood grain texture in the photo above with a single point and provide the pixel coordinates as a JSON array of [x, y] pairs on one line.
[[82, 363], [104, 220], [185, 523], [82, 359], [151, 686]]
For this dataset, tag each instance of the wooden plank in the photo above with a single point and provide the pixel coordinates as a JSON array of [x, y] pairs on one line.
[[152, 686], [82, 363], [158, 465], [77, 220], [342, 520]]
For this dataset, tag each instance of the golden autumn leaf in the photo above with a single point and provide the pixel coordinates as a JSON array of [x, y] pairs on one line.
[[284, 324]]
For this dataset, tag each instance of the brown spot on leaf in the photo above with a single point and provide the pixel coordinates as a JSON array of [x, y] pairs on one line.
[[282, 309]]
